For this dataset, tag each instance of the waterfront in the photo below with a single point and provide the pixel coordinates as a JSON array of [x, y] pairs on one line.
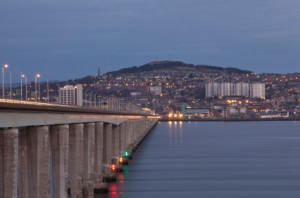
[[215, 159]]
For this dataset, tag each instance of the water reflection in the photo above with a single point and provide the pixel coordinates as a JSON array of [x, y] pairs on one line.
[[214, 160], [175, 129]]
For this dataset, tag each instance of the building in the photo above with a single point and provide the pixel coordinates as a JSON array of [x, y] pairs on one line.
[[252, 90], [241, 89], [212, 89], [226, 89], [155, 90], [70, 95], [257, 90]]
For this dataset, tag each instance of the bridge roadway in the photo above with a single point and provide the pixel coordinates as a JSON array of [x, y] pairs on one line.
[[67, 149]]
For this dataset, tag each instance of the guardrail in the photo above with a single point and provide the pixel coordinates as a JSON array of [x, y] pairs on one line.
[[121, 107]]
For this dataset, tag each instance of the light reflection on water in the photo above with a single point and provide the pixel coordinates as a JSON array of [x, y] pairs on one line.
[[215, 160]]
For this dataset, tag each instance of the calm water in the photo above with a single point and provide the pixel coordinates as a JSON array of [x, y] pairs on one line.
[[215, 160]]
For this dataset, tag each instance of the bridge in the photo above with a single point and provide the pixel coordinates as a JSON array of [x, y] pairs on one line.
[[49, 150]]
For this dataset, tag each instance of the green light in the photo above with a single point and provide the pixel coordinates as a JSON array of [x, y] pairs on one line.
[[126, 153]]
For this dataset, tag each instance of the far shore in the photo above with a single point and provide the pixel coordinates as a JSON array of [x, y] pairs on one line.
[[227, 119]]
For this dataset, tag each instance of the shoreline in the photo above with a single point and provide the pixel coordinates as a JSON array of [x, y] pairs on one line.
[[227, 120]]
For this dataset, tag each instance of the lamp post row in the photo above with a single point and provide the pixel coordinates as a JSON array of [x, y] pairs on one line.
[[22, 76]]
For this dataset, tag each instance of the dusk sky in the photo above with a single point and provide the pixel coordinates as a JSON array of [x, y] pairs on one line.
[[67, 39]]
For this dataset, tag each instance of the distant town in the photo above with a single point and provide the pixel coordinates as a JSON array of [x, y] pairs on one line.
[[176, 90]]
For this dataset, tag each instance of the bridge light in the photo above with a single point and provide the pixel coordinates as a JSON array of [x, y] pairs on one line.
[[126, 153], [113, 168]]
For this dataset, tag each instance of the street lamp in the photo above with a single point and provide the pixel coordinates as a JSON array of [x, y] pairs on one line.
[[37, 76], [23, 76], [10, 92], [5, 66]]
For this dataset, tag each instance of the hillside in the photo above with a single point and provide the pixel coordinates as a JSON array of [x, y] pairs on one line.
[[176, 66]]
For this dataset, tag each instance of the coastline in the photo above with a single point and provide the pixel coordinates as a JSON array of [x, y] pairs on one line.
[[227, 119]]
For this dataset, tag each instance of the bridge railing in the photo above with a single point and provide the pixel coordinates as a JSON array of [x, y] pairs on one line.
[[116, 106]]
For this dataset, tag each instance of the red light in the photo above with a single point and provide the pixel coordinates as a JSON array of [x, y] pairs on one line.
[[113, 167]]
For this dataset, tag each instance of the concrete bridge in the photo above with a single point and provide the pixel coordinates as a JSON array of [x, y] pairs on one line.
[[60, 151]]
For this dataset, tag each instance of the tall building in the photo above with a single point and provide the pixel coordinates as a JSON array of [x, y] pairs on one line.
[[209, 89], [226, 89], [257, 90], [241, 89], [212, 89], [252, 90], [70, 95]]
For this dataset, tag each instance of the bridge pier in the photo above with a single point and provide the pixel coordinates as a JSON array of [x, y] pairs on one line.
[[59, 137], [122, 136], [9, 162], [39, 162], [98, 152], [65, 153], [76, 160], [23, 164], [115, 141], [107, 144], [88, 159]]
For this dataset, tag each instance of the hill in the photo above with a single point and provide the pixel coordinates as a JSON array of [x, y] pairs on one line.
[[176, 66]]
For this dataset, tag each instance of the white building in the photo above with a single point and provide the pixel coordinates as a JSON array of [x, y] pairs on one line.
[[209, 89], [241, 89], [70, 95], [212, 89], [226, 89], [252, 90], [257, 90]]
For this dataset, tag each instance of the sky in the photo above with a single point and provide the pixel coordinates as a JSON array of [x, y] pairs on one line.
[[68, 39]]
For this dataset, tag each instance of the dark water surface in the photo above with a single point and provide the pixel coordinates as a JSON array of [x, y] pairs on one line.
[[215, 160]]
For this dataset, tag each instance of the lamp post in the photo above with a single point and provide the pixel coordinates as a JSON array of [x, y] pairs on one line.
[[25, 78], [10, 92], [48, 97], [37, 76], [21, 86], [5, 66]]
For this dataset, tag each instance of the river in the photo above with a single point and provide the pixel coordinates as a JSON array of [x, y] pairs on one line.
[[214, 160]]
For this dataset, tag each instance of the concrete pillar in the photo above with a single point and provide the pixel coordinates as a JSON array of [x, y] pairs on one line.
[[115, 141], [76, 159], [128, 133], [135, 131], [1, 163], [107, 144], [98, 151], [59, 135], [123, 136], [23, 164], [9, 163], [88, 159], [38, 162]]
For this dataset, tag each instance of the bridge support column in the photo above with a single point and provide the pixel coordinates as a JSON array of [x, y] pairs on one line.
[[59, 135], [135, 132], [128, 133], [115, 141], [98, 152], [123, 136], [8, 162], [23, 164], [107, 154], [39, 162], [76, 159], [88, 159]]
